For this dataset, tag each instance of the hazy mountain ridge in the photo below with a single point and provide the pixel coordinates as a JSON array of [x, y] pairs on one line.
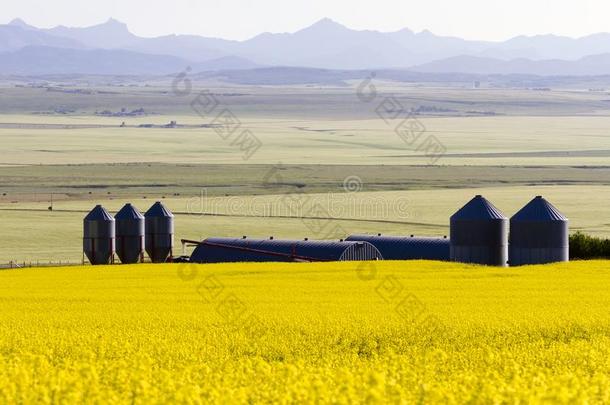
[[43, 60], [40, 60], [325, 44], [594, 65], [112, 34], [15, 37]]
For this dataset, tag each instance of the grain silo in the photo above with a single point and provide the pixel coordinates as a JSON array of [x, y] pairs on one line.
[[99, 236], [539, 234], [228, 250], [159, 223], [479, 234], [129, 235], [407, 248]]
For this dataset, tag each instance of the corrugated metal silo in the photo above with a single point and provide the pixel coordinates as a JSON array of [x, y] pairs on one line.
[[479, 234], [229, 250], [539, 234], [99, 236], [407, 248], [129, 234], [159, 233]]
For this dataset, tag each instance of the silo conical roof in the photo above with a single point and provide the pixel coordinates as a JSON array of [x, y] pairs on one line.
[[478, 208], [99, 213], [539, 209], [129, 212], [158, 210]]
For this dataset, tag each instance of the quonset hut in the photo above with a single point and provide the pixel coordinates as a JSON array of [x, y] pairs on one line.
[[129, 235], [407, 248], [99, 236], [539, 234], [228, 250], [159, 224], [479, 234]]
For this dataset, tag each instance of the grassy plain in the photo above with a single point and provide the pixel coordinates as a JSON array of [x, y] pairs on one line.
[[32, 233], [86, 182], [320, 136], [305, 125], [486, 141], [418, 332]]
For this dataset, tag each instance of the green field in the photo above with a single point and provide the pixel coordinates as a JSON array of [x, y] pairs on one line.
[[488, 141], [56, 151], [331, 215]]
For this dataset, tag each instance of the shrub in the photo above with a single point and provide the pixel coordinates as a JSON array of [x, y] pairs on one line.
[[588, 247]]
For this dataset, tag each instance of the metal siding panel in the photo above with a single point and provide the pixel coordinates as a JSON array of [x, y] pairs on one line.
[[493, 232], [99, 251], [219, 250], [159, 246], [481, 242], [532, 256], [407, 248], [130, 249], [485, 255], [536, 234]]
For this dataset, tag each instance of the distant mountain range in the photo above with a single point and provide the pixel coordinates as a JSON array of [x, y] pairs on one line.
[[594, 65], [110, 48]]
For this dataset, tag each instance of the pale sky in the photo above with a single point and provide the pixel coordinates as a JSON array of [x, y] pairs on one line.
[[242, 19]]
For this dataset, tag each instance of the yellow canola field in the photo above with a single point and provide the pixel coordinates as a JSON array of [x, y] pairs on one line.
[[400, 332]]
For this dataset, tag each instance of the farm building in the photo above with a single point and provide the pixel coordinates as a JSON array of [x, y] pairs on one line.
[[129, 224], [222, 250], [539, 234], [407, 248], [99, 236], [159, 224], [479, 234]]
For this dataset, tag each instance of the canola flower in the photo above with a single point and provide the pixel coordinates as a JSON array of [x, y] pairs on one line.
[[384, 332]]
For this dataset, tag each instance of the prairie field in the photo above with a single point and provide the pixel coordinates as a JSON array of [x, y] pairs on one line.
[[480, 141], [304, 125], [330, 215], [58, 151], [349, 332]]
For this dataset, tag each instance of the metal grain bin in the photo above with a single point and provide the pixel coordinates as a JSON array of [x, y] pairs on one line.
[[539, 234], [99, 236], [228, 250], [479, 234], [407, 248], [129, 235], [159, 233]]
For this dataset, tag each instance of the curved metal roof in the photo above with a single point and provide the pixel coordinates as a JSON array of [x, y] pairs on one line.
[[99, 213], [218, 250], [478, 208], [539, 209], [129, 212], [158, 210], [407, 248]]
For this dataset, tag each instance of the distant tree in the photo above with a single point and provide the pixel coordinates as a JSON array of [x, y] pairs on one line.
[[588, 247]]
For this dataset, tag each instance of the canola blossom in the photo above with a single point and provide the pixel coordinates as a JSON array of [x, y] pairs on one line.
[[379, 332]]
